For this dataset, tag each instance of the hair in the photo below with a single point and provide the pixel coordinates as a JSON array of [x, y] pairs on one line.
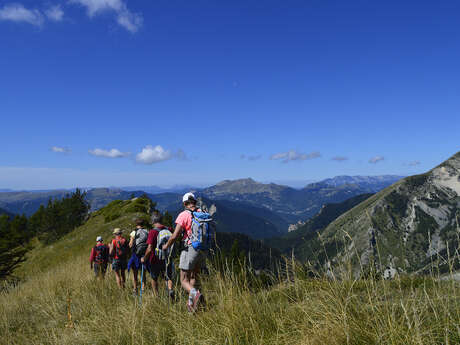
[[190, 201], [140, 222], [156, 217]]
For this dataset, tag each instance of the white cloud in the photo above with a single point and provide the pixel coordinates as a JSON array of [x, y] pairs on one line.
[[153, 154], [60, 149], [376, 159], [339, 158], [18, 13], [55, 13], [293, 155], [125, 18], [130, 21], [414, 163], [113, 153], [251, 158]]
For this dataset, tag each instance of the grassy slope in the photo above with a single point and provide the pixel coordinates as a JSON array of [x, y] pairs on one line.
[[300, 311], [78, 243], [295, 311]]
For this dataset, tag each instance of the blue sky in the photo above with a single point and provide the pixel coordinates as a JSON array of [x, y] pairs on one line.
[[131, 92]]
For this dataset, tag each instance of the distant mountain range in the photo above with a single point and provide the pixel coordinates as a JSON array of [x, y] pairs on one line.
[[409, 226], [246, 206], [4, 212], [370, 184], [294, 204], [298, 241], [157, 190]]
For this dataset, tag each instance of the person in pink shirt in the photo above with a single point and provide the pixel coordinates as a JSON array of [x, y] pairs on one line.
[[190, 258]]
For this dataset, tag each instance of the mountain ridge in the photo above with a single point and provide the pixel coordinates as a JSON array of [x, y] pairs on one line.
[[412, 224]]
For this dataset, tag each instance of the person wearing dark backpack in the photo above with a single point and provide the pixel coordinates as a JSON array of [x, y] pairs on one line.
[[159, 261], [99, 258], [118, 250], [138, 245], [196, 240]]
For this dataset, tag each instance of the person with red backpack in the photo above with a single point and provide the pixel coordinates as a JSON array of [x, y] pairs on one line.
[[119, 252], [99, 258]]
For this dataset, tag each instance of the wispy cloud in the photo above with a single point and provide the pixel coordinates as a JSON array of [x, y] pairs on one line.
[[414, 163], [376, 159], [55, 13], [113, 153], [339, 158], [180, 155], [59, 149], [125, 18], [18, 13], [251, 157], [293, 155], [153, 154]]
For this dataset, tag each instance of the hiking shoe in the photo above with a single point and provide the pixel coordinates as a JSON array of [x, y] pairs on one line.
[[196, 300], [171, 295], [190, 307]]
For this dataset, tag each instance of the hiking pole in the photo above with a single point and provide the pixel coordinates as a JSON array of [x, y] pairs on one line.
[[142, 280]]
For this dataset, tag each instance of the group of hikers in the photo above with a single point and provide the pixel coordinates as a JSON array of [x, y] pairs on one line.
[[151, 251]]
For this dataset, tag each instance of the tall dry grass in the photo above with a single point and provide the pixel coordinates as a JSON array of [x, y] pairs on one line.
[[241, 310]]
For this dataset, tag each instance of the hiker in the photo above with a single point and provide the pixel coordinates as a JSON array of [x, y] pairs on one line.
[[119, 253], [99, 258], [191, 258], [159, 261], [138, 245]]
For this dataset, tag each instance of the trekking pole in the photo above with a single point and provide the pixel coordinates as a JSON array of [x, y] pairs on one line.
[[169, 275], [142, 280]]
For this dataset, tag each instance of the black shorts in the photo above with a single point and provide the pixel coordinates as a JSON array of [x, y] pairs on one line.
[[158, 268], [119, 264], [100, 268]]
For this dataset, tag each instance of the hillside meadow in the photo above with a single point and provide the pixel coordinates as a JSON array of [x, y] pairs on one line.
[[58, 301]]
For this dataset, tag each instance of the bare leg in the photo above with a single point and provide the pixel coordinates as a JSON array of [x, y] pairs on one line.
[[155, 286], [135, 279], [119, 279], [123, 278], [185, 277]]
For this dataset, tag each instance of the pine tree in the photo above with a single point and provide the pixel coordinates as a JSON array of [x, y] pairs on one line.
[[167, 219], [13, 243]]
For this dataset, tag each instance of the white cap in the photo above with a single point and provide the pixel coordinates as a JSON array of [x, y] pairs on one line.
[[188, 196], [99, 239]]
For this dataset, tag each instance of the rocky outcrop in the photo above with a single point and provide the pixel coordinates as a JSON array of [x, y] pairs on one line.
[[409, 226]]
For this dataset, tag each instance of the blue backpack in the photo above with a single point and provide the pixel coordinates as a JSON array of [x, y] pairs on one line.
[[202, 230]]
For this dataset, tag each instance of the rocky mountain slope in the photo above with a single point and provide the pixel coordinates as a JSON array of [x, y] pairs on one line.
[[408, 227]]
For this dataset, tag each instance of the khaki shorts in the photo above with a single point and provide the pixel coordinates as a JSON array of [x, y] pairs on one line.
[[190, 259]]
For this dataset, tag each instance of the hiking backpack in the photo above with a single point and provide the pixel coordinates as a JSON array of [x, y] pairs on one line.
[[162, 237], [203, 230], [101, 254], [140, 241], [121, 248]]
